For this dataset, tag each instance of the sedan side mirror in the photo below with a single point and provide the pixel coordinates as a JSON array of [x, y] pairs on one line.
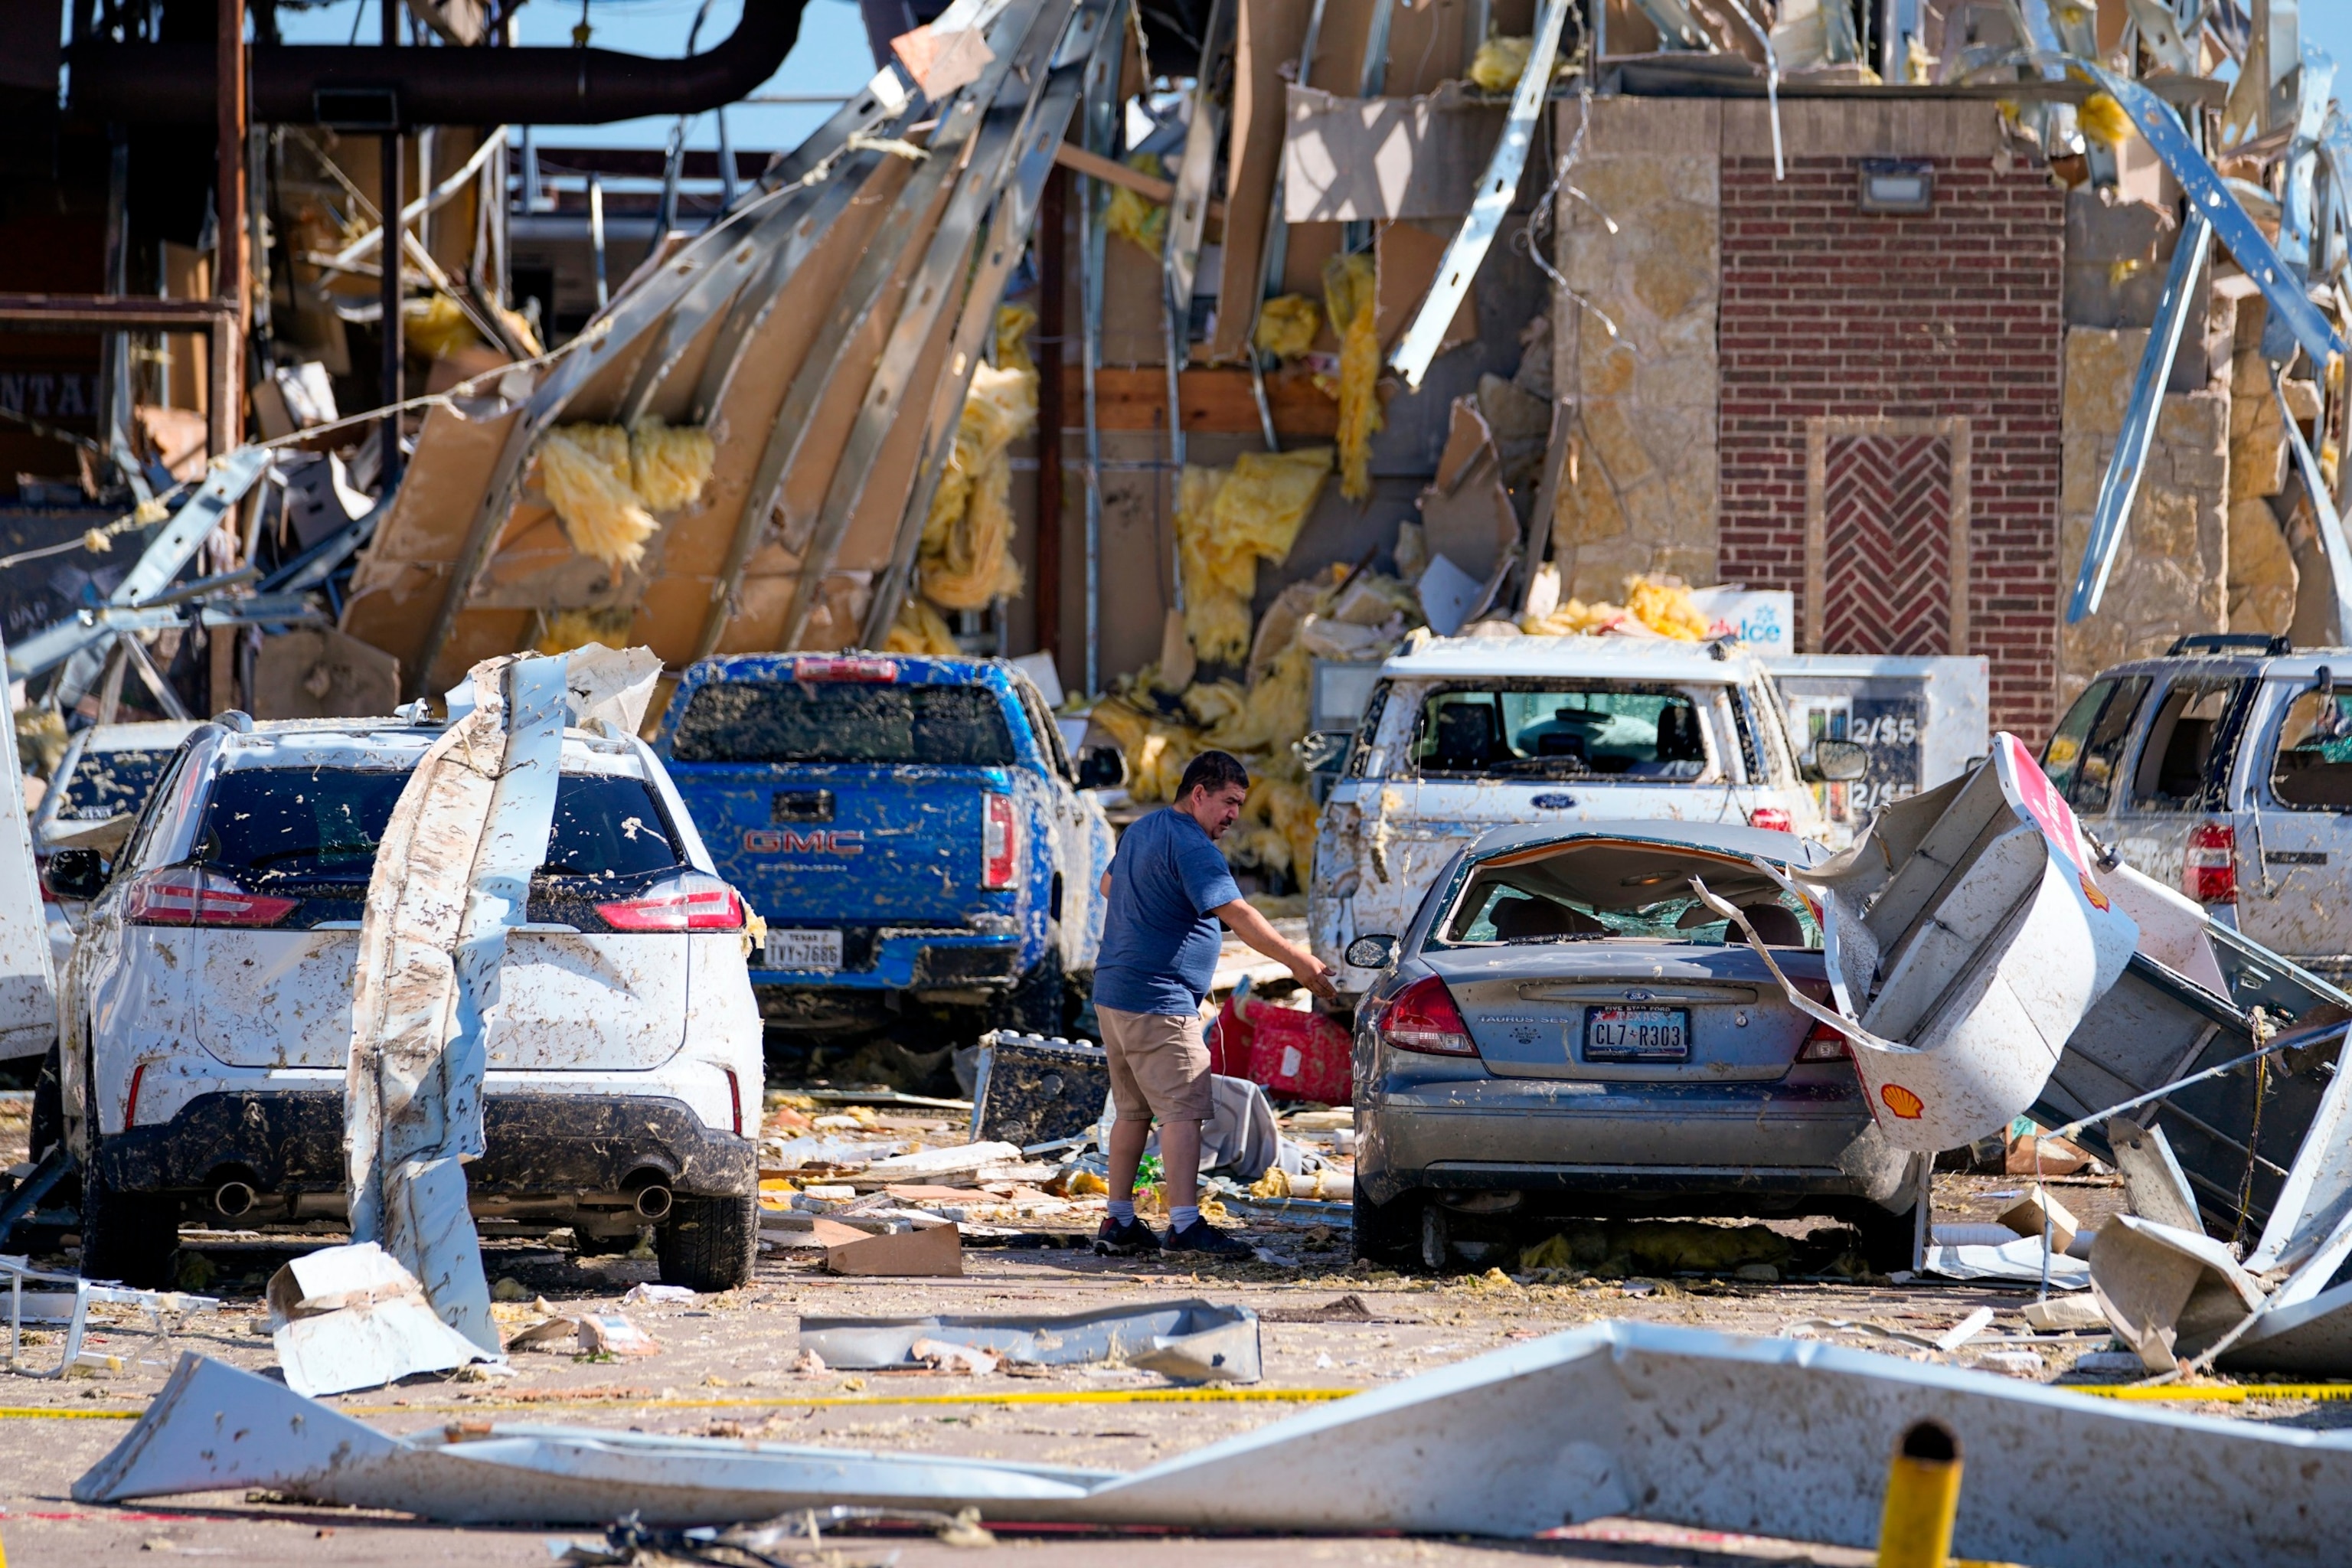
[[1836, 762], [1371, 952], [76, 874], [1101, 767]]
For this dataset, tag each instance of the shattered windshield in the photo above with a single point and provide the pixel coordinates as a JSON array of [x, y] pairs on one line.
[[1595, 889], [324, 824], [845, 722], [109, 783], [1565, 729]]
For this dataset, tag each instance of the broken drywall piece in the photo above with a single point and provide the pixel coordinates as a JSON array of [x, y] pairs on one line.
[[1671, 1425], [351, 1317], [1447, 594], [2167, 1294], [2039, 1215], [1353, 159], [1191, 1340], [1466, 515], [954, 1158], [925, 1252]]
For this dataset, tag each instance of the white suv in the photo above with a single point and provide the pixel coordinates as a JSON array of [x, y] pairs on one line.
[[206, 1014], [1462, 734]]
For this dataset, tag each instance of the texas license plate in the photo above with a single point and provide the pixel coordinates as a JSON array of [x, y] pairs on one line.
[[803, 951], [1637, 1034]]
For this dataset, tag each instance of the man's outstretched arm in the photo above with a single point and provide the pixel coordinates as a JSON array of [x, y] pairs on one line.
[[1256, 930]]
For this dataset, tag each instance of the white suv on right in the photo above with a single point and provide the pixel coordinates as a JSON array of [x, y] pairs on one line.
[[206, 1014]]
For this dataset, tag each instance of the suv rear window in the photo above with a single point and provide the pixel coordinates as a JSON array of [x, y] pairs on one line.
[[109, 783], [2313, 768], [312, 824], [845, 722], [1580, 729]]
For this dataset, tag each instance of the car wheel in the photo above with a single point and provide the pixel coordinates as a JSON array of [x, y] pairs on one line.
[[1386, 1233], [1436, 1249], [708, 1244], [1887, 1238], [131, 1238], [48, 1107], [1034, 1005]]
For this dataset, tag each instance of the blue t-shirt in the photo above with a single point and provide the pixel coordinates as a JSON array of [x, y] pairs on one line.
[[1160, 942]]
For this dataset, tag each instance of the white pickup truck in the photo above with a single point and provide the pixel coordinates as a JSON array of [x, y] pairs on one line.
[[1462, 734]]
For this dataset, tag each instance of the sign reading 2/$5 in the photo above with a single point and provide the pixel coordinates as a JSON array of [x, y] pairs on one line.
[[841, 841]]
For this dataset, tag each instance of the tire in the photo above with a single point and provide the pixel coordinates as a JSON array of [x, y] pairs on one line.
[[708, 1244], [132, 1237], [1036, 1003], [1887, 1238], [48, 1107], [1388, 1233]]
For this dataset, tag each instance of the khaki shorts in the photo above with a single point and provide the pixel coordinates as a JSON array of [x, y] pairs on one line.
[[1158, 1065]]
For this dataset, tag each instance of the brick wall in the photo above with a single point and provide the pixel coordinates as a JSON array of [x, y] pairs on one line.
[[1826, 310]]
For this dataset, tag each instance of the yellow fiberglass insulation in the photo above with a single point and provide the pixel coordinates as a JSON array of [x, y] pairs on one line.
[[435, 327], [1286, 325], [965, 560], [1661, 607], [1136, 218], [1226, 521], [1500, 62], [1156, 750], [2104, 120], [1350, 286], [921, 629], [584, 470], [1014, 325], [669, 464], [560, 631]]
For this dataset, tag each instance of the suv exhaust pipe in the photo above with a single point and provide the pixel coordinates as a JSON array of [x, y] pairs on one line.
[[233, 1200], [653, 1202]]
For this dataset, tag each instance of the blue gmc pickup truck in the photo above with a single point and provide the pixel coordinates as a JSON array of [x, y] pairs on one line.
[[912, 828]]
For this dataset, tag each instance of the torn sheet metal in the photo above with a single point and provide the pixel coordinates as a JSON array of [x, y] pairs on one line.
[[1188, 213], [1352, 159], [2019, 1262], [1679, 1426], [1966, 937], [451, 879], [2154, 1184], [29, 988], [2119, 487], [1191, 1340], [351, 1317], [1497, 190], [2169, 1293], [2309, 1339], [2323, 505]]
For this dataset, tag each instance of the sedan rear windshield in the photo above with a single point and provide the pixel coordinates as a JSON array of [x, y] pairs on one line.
[[110, 784], [314, 825], [1569, 729], [845, 722], [1594, 889]]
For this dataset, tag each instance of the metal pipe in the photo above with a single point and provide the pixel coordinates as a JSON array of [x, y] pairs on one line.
[[1052, 313], [232, 250], [652, 1202], [232, 1200], [388, 294], [152, 84], [596, 236]]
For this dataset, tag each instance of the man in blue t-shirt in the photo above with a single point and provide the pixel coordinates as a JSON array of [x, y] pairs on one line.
[[1167, 888]]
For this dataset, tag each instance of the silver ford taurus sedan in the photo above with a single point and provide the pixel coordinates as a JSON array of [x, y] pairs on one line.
[[1566, 1030]]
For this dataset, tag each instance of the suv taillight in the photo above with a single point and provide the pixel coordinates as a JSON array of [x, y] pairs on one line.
[[1772, 817], [2209, 872], [691, 902], [185, 896], [1424, 1018], [1000, 843]]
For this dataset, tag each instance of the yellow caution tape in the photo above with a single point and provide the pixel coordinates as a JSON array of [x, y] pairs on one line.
[[2235, 1394], [39, 1412], [1067, 1397]]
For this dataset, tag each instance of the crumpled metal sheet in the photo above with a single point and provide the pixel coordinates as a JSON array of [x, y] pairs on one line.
[[28, 991], [1191, 1340], [452, 877], [1766, 1437], [351, 1317]]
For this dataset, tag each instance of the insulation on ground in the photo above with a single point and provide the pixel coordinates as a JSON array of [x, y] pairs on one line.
[[1286, 326], [583, 471], [1135, 216], [1350, 298], [1226, 521]]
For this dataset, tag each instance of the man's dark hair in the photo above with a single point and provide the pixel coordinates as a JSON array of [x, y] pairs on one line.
[[1211, 771]]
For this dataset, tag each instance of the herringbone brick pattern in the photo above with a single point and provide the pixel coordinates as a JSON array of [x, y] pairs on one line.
[[1886, 539]]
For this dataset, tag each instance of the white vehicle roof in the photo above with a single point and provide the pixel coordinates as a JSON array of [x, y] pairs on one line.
[[389, 743], [152, 735], [1611, 658]]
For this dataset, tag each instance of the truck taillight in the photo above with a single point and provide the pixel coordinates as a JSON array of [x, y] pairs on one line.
[[691, 902], [185, 896], [1424, 1018], [1771, 817], [881, 671], [2209, 872], [1000, 843], [735, 1098]]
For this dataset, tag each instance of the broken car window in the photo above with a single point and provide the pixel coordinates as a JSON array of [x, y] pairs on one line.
[[845, 722], [1598, 889], [2312, 769], [2090, 741], [110, 784], [1564, 729], [2177, 768]]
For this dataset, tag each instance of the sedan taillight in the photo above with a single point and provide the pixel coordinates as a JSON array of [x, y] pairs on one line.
[[1823, 1045], [2209, 872], [691, 902], [1000, 843], [185, 896], [1424, 1018]]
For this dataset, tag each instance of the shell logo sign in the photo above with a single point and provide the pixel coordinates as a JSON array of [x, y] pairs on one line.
[[1902, 1101]]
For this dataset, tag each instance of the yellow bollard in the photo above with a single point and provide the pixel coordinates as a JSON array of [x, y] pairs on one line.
[[1923, 1493]]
